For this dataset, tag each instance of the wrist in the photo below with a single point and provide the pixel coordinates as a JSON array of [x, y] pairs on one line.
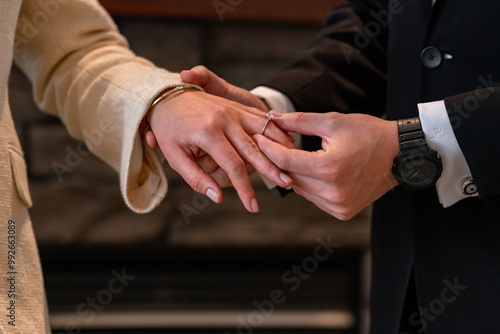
[[393, 139], [170, 91], [165, 94]]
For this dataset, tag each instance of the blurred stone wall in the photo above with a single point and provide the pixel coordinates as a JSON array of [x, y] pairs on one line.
[[85, 206]]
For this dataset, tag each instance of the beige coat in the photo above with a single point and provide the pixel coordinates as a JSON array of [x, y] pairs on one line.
[[83, 72]]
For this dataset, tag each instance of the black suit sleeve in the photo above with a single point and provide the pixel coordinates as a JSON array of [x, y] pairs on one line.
[[475, 117], [344, 67]]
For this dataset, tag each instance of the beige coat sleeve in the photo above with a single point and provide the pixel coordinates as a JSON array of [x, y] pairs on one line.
[[83, 72]]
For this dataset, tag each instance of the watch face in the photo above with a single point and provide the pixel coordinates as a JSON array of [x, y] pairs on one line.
[[418, 172]]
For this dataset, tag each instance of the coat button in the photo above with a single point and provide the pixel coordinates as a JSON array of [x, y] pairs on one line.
[[431, 57]]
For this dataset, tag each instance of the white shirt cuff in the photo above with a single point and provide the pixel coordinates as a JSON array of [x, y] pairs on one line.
[[441, 138], [274, 99]]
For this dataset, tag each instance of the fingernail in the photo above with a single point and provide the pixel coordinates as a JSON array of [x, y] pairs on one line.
[[254, 205], [285, 178], [212, 195], [276, 113]]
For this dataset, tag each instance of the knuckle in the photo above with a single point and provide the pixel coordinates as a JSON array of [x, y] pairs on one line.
[[328, 123], [330, 173], [209, 130], [207, 127], [217, 114], [219, 111], [339, 198], [194, 182], [282, 162], [343, 216], [251, 149], [235, 165], [346, 212], [299, 116]]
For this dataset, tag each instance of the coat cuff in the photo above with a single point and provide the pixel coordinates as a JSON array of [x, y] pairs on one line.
[[142, 179]]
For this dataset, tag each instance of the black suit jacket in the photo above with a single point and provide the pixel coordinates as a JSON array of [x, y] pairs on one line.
[[359, 62]]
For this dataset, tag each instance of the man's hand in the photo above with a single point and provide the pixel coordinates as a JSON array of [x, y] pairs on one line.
[[212, 84], [194, 128], [353, 169]]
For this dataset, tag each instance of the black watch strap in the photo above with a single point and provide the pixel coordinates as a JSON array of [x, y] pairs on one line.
[[410, 133], [417, 166]]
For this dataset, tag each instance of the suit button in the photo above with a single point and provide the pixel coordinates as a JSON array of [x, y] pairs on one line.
[[431, 57]]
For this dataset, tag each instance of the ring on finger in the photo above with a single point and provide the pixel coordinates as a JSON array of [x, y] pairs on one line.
[[269, 117]]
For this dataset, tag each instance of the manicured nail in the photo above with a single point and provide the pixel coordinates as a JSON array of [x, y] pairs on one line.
[[254, 205], [212, 195], [285, 178], [276, 113]]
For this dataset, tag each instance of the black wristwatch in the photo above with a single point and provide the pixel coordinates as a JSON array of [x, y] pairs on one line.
[[417, 166]]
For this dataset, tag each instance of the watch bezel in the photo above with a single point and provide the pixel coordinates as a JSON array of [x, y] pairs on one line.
[[408, 157]]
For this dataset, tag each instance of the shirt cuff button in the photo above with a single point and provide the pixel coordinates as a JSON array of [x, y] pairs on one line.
[[469, 188]]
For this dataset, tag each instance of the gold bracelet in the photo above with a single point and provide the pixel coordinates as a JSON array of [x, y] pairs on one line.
[[169, 91]]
